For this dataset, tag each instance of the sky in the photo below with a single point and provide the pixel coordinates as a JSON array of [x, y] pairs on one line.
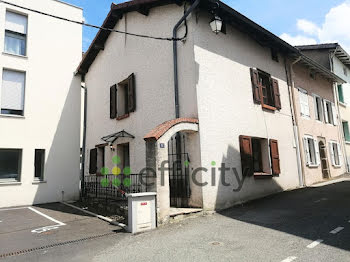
[[297, 22]]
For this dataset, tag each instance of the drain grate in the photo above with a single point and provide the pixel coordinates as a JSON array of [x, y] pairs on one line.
[[24, 251]]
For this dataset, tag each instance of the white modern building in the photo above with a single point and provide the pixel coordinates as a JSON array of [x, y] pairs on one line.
[[40, 102]]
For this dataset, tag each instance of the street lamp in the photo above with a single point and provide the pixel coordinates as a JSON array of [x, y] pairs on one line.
[[216, 24]]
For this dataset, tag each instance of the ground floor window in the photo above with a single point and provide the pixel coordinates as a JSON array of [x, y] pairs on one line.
[[336, 154], [10, 164], [312, 154], [39, 164]]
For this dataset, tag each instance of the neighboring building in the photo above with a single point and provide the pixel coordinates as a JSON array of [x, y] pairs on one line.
[[40, 103], [335, 58], [318, 123], [233, 99]]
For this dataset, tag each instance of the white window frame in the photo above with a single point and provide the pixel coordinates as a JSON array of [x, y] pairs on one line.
[[321, 118], [303, 105], [307, 150], [24, 33], [332, 153], [334, 113]]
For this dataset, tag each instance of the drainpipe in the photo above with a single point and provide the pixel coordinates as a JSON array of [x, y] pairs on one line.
[[297, 137], [176, 81], [82, 179]]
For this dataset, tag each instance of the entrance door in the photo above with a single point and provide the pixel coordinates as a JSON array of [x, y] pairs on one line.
[[178, 171], [323, 157]]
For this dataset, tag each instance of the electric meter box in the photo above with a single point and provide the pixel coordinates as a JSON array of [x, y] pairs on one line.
[[141, 212]]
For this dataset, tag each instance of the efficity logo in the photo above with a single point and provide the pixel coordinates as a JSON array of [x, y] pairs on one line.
[[117, 181]]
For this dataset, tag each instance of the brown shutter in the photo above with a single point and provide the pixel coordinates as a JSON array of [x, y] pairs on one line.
[[276, 93], [246, 155], [131, 93], [93, 161], [254, 75], [275, 158], [113, 102]]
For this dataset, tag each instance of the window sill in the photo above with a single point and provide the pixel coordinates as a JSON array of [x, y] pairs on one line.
[[15, 55], [9, 183], [13, 116], [267, 107], [313, 166], [122, 117], [347, 142], [342, 104], [306, 117], [262, 175], [35, 182]]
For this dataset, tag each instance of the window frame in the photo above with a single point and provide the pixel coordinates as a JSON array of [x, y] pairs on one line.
[[20, 164], [307, 151], [318, 118], [341, 94], [348, 131], [333, 143], [17, 33], [304, 92], [42, 163]]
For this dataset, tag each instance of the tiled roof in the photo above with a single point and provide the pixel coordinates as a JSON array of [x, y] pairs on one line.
[[160, 130]]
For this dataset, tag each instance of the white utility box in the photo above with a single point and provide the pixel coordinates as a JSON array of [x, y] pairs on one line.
[[141, 211]]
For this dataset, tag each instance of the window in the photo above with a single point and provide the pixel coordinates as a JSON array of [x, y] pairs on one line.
[[312, 154], [259, 156], [274, 54], [12, 92], [15, 33], [304, 103], [122, 98], [330, 113], [39, 164], [265, 90], [10, 164], [341, 94], [346, 131], [123, 151], [345, 71], [318, 108], [336, 155], [313, 75]]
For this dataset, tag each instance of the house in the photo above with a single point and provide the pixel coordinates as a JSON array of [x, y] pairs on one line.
[[40, 104], [335, 58], [208, 119]]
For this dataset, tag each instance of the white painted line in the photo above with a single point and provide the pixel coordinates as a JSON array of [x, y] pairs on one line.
[[289, 259], [46, 216], [315, 243], [337, 230], [14, 208]]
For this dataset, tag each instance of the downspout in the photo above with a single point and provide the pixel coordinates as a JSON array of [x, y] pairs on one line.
[[176, 81], [82, 179], [297, 137]]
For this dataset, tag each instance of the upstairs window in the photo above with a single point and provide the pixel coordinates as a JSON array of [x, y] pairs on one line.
[[335, 152], [15, 33], [345, 71], [265, 90], [330, 112], [12, 92], [304, 103], [346, 131], [341, 94], [318, 104], [122, 98]]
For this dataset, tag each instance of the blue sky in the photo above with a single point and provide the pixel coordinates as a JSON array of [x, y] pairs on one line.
[[298, 21]]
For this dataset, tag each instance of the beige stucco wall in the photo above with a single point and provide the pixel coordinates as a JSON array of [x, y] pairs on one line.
[[51, 118], [309, 126], [226, 110]]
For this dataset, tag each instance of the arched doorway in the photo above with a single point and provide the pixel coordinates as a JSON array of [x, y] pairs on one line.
[[323, 157]]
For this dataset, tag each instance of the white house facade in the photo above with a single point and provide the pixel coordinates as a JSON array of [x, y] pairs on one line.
[[40, 103]]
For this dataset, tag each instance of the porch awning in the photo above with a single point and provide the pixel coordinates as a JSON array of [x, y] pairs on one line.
[[113, 137]]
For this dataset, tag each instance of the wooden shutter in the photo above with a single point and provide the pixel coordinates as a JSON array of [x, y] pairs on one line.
[[131, 93], [246, 155], [113, 102], [93, 161], [275, 157], [340, 153], [306, 150], [276, 94], [317, 152], [326, 118], [335, 115], [255, 85], [331, 152]]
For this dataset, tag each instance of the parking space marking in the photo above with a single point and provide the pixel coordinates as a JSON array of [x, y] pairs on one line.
[[48, 217], [315, 243], [337, 230], [289, 259]]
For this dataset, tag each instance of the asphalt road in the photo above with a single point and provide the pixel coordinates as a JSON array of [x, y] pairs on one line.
[[310, 224]]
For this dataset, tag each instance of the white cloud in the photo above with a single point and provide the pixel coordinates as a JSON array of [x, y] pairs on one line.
[[298, 39], [335, 28]]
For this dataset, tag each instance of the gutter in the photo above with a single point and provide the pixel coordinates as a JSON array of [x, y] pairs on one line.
[[82, 175], [176, 80]]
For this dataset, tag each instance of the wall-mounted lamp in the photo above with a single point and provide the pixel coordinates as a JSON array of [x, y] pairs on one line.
[[216, 24], [112, 147]]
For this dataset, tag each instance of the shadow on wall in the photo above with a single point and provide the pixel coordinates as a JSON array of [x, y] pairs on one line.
[[62, 166], [234, 188], [309, 213]]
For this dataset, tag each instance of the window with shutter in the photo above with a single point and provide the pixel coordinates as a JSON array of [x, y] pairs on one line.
[[113, 102], [318, 108], [255, 85], [304, 103], [312, 155], [328, 110], [126, 97], [246, 155], [93, 161], [12, 92], [336, 153], [275, 158], [131, 93], [335, 115], [15, 33], [276, 92]]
